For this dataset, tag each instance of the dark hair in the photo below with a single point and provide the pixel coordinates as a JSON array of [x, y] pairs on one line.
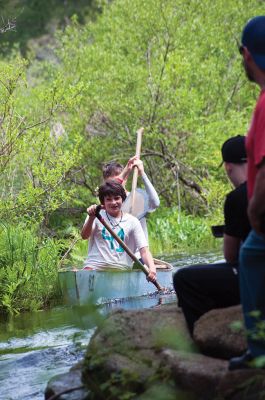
[[111, 169], [111, 188]]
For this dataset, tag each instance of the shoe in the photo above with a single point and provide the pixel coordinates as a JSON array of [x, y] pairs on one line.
[[241, 362]]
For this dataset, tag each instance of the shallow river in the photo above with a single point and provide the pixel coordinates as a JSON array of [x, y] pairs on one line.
[[36, 346]]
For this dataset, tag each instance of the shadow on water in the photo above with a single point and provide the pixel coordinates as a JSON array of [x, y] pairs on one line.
[[37, 346]]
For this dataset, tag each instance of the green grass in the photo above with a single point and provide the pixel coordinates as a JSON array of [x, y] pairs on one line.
[[28, 269], [172, 233]]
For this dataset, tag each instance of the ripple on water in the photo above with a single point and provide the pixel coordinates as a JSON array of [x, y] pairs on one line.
[[28, 363]]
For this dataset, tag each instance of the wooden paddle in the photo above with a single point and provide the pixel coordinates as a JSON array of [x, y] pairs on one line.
[[125, 247], [135, 172]]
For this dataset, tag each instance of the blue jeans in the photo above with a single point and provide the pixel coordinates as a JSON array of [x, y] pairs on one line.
[[252, 289]]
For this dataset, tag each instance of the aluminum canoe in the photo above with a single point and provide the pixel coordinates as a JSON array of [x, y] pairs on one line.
[[99, 287]]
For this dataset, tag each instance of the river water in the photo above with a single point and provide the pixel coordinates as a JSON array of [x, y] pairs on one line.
[[36, 346]]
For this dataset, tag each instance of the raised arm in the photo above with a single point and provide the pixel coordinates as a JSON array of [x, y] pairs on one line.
[[124, 175], [153, 199]]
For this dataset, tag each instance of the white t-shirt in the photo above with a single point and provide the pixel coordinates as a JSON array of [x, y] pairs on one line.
[[105, 252]]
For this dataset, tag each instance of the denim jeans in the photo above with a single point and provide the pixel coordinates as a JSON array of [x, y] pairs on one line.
[[252, 289]]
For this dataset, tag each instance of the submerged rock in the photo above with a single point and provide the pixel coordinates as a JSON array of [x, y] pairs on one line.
[[67, 386]]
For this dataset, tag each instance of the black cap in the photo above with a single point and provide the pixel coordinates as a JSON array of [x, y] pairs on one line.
[[234, 151]]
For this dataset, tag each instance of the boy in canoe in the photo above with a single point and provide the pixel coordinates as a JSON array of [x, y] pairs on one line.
[[149, 199], [104, 252]]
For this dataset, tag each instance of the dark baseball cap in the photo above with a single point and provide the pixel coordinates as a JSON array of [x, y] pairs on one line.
[[253, 38], [234, 151]]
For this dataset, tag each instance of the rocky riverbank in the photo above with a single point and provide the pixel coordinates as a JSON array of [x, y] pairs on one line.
[[148, 354]]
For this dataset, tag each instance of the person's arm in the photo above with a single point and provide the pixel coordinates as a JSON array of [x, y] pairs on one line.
[[256, 208], [126, 170], [149, 261], [231, 248], [153, 199], [142, 246], [87, 227]]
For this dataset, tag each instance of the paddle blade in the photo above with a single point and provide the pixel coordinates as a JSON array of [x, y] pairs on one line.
[[139, 208]]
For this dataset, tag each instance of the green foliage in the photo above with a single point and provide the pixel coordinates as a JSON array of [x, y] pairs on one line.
[[174, 68], [178, 75], [171, 66], [28, 269], [33, 18], [34, 158], [171, 231]]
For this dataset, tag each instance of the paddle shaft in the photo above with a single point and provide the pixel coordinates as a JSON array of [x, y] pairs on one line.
[[125, 247], [135, 171]]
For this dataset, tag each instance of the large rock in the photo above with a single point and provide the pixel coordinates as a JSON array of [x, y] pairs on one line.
[[149, 354], [209, 377], [125, 351], [218, 333]]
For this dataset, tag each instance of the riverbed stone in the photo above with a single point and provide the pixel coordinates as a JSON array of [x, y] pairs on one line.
[[219, 333], [69, 385]]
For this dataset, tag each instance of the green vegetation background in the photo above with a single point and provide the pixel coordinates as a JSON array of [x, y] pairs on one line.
[[78, 78]]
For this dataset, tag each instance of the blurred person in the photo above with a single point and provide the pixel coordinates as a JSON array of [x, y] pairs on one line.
[[203, 287], [252, 254]]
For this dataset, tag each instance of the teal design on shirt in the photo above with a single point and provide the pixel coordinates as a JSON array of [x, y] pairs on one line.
[[107, 236]]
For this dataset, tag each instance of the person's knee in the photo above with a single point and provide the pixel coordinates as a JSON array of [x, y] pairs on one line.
[[179, 278]]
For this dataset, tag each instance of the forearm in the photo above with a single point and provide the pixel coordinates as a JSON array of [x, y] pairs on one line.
[[127, 169], [125, 173], [148, 259], [154, 201], [87, 228], [231, 248]]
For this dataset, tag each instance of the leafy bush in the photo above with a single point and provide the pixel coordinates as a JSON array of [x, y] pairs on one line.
[[28, 269], [171, 232]]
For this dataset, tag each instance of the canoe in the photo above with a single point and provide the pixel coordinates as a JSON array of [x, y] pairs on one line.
[[99, 287]]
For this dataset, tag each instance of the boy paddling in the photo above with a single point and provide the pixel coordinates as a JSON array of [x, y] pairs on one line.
[[104, 252], [115, 171]]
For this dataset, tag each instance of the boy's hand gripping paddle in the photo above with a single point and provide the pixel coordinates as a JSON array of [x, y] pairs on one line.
[[125, 247]]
